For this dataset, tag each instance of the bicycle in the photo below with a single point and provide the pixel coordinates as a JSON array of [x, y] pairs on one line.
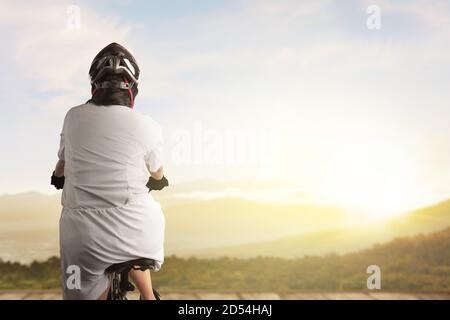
[[118, 273]]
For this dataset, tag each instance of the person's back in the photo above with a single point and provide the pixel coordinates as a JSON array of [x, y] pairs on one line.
[[105, 148], [107, 153]]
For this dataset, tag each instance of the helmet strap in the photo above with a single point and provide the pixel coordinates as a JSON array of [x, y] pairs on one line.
[[130, 92]]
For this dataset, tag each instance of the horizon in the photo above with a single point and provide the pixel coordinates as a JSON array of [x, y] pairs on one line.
[[196, 196]]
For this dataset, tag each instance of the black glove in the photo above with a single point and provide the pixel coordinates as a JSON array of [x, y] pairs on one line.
[[58, 182], [154, 184]]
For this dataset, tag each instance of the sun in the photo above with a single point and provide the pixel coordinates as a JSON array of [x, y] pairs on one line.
[[374, 176]]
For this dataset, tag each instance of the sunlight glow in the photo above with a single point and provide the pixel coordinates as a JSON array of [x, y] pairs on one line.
[[373, 176]]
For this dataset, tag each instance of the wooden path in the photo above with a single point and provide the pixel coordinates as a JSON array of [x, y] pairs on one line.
[[56, 295]]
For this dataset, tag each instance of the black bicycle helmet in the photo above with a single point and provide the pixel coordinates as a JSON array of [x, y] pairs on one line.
[[113, 70], [114, 59]]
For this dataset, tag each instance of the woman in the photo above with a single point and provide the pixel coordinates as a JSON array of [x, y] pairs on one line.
[[106, 154]]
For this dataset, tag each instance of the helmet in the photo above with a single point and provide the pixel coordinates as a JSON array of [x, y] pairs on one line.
[[114, 67]]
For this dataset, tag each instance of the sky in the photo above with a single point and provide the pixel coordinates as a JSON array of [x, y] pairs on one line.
[[298, 91]]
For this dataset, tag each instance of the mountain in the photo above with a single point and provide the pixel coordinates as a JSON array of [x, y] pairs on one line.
[[340, 240], [217, 226], [223, 221], [29, 228], [418, 263], [415, 264], [427, 219]]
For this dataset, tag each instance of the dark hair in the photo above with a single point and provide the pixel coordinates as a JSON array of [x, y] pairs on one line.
[[113, 96]]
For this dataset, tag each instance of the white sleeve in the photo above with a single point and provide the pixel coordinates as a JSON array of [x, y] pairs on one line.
[[153, 158], [61, 147], [61, 150]]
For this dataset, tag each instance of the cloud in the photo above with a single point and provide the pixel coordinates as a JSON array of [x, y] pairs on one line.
[[44, 74], [288, 43], [51, 56]]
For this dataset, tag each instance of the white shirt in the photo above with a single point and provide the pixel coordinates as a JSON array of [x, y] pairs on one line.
[[108, 151], [108, 216]]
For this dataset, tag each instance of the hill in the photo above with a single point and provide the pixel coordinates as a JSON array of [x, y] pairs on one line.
[[340, 240], [29, 228], [410, 264], [200, 224], [221, 226]]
